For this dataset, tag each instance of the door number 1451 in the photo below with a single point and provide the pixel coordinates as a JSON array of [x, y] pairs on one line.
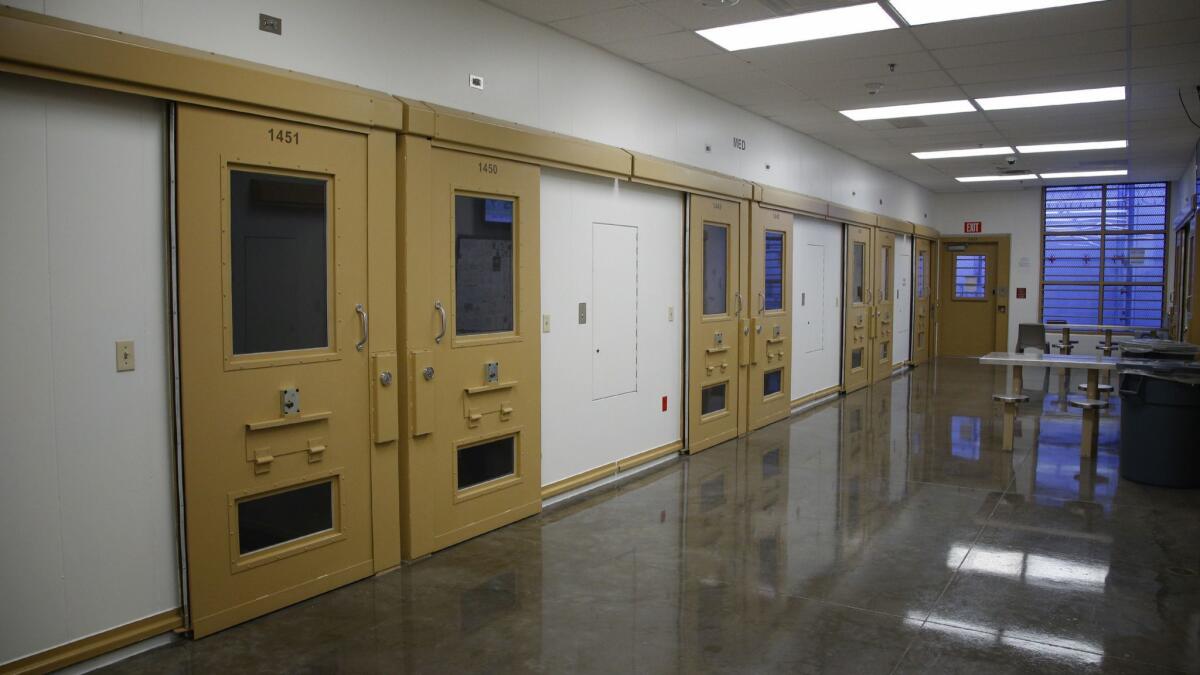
[[282, 136]]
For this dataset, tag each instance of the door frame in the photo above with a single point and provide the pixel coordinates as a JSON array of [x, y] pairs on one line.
[[1003, 244]]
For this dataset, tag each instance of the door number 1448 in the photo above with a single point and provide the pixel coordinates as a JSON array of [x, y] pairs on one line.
[[282, 136]]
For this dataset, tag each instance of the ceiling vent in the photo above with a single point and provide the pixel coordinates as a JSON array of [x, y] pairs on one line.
[[908, 122]]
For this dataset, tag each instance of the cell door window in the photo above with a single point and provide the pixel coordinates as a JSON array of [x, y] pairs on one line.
[[885, 267], [920, 275], [484, 279], [970, 277], [773, 271], [858, 270], [772, 382], [716, 269], [279, 262]]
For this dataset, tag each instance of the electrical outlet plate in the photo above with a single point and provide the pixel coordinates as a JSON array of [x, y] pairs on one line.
[[545, 323], [125, 360], [270, 24]]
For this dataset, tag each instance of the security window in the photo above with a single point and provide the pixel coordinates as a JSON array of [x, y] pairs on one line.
[[1103, 259], [970, 277], [773, 271]]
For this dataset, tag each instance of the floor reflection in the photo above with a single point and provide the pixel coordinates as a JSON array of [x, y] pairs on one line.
[[883, 531]]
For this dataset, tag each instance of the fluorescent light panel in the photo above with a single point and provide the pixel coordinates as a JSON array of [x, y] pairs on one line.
[[1052, 98], [801, 27], [910, 110], [1071, 147], [986, 179], [1085, 174], [965, 152], [917, 12]]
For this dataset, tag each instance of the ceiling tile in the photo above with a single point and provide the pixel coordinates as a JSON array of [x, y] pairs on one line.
[[1045, 68], [702, 66], [1152, 11], [1023, 25], [694, 16], [545, 12], [1031, 49], [615, 25], [682, 44]]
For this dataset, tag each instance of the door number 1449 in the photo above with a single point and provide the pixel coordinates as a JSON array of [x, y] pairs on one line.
[[282, 136]]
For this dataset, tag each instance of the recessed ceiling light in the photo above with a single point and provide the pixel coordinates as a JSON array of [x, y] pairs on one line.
[[910, 110], [965, 152], [1069, 147], [801, 27], [1086, 174], [917, 12], [984, 179], [1052, 98]]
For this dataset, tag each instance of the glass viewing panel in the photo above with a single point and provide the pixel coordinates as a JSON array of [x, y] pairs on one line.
[[486, 461], [278, 262], [856, 358], [773, 382], [712, 399], [716, 263], [859, 252], [483, 265], [970, 277], [885, 266], [773, 271], [921, 275], [278, 518]]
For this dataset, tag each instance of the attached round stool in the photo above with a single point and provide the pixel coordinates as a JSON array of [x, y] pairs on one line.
[[1101, 388], [1010, 401], [1091, 423], [1066, 347]]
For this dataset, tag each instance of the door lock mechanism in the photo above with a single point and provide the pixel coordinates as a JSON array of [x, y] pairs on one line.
[[385, 378], [427, 373]]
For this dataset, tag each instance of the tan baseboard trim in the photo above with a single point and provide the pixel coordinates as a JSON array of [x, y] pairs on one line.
[[648, 456], [94, 645], [601, 472], [816, 395], [578, 480]]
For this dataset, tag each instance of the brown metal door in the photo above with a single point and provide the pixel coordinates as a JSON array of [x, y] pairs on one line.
[[717, 324], [884, 247], [474, 455], [856, 359], [967, 323], [769, 382], [272, 292]]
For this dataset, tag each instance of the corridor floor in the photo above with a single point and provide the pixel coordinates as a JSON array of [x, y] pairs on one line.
[[882, 532]]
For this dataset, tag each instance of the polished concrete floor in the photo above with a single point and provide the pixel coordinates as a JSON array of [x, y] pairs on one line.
[[883, 532]]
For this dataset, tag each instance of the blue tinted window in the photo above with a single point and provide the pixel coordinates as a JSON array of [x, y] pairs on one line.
[[773, 270], [1104, 254], [970, 277]]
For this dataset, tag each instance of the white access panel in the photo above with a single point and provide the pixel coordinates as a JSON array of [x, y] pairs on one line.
[[614, 309], [812, 326], [816, 306]]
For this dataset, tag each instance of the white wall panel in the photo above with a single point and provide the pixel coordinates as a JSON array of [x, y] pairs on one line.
[[816, 305], [613, 316], [86, 495], [902, 310], [425, 49], [579, 431]]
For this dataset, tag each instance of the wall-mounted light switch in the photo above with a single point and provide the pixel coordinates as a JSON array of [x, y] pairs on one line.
[[582, 313], [545, 323], [670, 314], [124, 355]]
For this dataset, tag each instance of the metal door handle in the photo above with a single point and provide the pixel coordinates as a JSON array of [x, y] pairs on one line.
[[737, 295], [869, 296], [362, 317], [442, 311], [762, 303]]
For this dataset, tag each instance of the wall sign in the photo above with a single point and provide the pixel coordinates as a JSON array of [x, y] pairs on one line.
[[739, 143], [973, 227]]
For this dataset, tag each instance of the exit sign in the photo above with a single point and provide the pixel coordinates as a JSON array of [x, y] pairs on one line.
[[973, 227]]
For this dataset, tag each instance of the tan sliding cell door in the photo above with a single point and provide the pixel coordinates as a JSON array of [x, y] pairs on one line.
[[274, 371], [769, 384], [718, 323]]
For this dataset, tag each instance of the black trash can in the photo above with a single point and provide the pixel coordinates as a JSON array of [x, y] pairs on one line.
[[1160, 422]]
